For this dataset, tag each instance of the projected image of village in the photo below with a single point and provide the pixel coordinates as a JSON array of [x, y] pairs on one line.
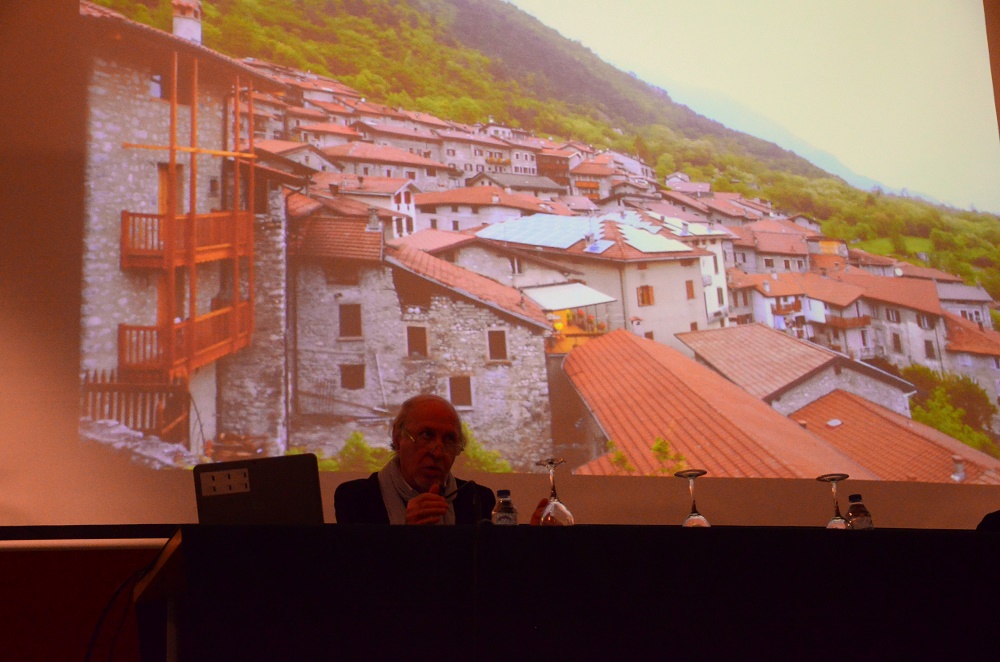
[[297, 217]]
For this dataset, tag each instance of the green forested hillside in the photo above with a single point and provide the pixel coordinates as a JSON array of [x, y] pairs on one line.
[[469, 60]]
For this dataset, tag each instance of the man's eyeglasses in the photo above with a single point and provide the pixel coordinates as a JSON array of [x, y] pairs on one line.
[[452, 445]]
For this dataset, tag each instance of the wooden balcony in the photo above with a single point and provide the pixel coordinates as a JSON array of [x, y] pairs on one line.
[[195, 343], [217, 236], [838, 322], [787, 308]]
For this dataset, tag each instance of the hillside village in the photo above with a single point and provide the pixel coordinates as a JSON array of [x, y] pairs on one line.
[[274, 263]]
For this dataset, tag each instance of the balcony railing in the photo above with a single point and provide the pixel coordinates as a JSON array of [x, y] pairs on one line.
[[786, 308], [217, 236], [196, 342], [838, 322]]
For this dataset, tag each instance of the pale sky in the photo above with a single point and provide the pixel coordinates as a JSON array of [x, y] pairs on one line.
[[897, 90]]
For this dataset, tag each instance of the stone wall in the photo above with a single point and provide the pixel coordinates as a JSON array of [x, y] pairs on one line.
[[844, 379], [510, 411], [253, 392]]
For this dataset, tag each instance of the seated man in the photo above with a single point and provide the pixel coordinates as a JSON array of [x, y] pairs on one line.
[[416, 486]]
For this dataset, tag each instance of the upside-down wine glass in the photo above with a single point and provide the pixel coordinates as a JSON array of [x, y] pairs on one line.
[[555, 513], [838, 522], [694, 518]]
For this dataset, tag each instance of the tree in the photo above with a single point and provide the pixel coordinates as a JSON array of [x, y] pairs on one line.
[[965, 394], [940, 414], [618, 458], [670, 460], [925, 379], [477, 457]]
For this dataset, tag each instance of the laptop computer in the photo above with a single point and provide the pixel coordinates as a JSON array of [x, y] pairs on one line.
[[267, 490]]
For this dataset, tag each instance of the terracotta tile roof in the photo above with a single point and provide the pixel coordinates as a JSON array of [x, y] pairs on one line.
[[578, 203], [364, 184], [686, 200], [518, 181], [469, 284], [561, 153], [927, 273], [331, 128], [671, 211], [780, 243], [281, 147], [818, 262], [891, 445], [341, 238], [812, 285], [306, 112], [105, 18], [592, 169], [639, 390], [782, 226], [859, 257], [402, 132], [457, 135], [367, 152], [425, 118], [965, 336], [332, 107], [913, 293], [298, 205], [432, 240], [729, 208], [757, 358], [491, 196]]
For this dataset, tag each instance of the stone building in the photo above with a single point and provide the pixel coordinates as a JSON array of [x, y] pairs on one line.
[[376, 324], [168, 281]]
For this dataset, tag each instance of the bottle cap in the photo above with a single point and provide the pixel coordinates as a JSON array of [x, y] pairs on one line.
[[503, 494], [854, 498]]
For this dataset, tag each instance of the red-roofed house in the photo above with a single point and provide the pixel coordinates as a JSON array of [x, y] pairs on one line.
[[412, 139], [973, 349], [468, 207], [326, 134], [390, 193], [592, 179], [365, 159], [634, 392], [297, 152], [892, 446], [788, 373], [376, 324]]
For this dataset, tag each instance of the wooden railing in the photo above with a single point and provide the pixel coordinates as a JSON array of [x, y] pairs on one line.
[[217, 235], [195, 343], [786, 308], [160, 409], [838, 322]]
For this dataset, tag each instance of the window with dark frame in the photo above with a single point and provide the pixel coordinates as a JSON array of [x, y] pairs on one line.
[[352, 376], [720, 296], [929, 349], [416, 341], [892, 314], [460, 390], [497, 341], [689, 285], [350, 320], [897, 343]]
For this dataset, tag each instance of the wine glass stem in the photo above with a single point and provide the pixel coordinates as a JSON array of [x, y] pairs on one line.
[[552, 482], [694, 510], [836, 504]]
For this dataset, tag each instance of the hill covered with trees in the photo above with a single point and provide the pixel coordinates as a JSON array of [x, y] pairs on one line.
[[469, 60]]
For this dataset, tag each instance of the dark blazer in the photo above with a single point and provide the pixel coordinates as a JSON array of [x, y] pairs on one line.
[[991, 522], [360, 502]]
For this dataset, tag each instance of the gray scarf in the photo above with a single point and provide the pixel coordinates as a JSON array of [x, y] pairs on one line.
[[396, 492]]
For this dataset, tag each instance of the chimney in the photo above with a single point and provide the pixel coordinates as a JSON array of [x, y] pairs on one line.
[[767, 287], [187, 20], [959, 474], [496, 199], [373, 223]]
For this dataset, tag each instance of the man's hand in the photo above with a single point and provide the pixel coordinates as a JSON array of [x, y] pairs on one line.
[[427, 508]]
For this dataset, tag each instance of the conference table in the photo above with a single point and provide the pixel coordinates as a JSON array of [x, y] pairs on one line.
[[566, 593]]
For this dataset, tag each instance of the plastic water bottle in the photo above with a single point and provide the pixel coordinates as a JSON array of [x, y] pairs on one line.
[[504, 513], [858, 516]]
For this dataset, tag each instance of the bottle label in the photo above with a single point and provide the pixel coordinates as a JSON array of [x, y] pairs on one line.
[[505, 519]]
